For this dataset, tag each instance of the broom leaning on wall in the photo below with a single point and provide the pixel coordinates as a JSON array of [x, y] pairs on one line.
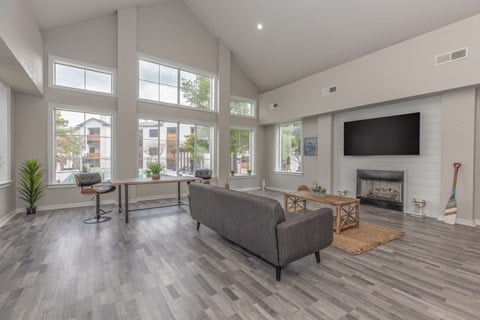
[[451, 210]]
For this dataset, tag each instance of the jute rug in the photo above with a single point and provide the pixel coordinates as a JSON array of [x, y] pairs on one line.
[[365, 238]]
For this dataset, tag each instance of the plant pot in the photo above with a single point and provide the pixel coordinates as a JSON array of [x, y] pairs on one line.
[[31, 210], [156, 176]]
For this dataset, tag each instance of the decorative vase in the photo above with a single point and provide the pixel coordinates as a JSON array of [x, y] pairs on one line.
[[31, 210], [155, 176]]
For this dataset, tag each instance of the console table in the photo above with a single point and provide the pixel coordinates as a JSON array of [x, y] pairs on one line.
[[347, 210], [143, 181]]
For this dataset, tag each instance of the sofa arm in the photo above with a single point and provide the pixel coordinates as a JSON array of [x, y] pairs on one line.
[[304, 234]]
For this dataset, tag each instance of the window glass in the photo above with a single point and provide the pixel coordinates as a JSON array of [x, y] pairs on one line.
[[289, 155], [82, 144], [242, 108], [241, 151], [181, 148], [82, 78]]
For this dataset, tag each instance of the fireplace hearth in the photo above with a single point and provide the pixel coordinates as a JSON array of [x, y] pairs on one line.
[[381, 188]]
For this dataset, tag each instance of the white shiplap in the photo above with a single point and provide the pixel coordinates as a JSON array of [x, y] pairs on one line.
[[422, 172]]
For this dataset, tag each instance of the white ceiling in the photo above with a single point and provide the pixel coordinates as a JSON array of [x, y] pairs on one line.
[[56, 13], [302, 37]]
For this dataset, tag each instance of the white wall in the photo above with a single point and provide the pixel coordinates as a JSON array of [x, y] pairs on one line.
[[401, 71], [7, 191], [423, 172], [19, 32], [168, 31]]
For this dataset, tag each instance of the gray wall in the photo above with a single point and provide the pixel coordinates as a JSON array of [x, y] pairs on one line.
[[114, 41]]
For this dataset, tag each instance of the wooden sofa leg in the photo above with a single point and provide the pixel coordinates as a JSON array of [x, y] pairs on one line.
[[198, 225], [278, 272], [317, 256]]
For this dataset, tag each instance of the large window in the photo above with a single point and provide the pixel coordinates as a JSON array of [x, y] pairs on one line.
[[74, 75], [241, 151], [242, 107], [289, 142], [174, 85], [5, 136], [182, 148], [82, 143]]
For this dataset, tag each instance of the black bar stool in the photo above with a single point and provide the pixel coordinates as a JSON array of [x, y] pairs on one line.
[[87, 182]]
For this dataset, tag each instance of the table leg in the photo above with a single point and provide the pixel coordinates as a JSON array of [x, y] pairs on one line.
[[357, 214], [119, 198], [126, 203], [285, 203], [338, 211], [178, 193]]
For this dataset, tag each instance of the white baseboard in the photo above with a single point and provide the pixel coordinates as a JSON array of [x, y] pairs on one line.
[[158, 197], [466, 222], [4, 220], [278, 189], [246, 189], [477, 222]]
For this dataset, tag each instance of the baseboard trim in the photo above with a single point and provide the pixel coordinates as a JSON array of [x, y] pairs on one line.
[[466, 222], [277, 189], [246, 189], [6, 218]]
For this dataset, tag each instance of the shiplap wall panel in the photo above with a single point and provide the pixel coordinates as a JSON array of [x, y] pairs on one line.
[[422, 172]]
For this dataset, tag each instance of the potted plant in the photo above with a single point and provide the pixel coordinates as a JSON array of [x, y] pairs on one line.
[[232, 173], [323, 192], [249, 171], [32, 186], [155, 169]]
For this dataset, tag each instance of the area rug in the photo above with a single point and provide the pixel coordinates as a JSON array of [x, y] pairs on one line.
[[365, 238]]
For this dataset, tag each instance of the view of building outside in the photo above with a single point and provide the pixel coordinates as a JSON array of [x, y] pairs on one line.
[[82, 144], [181, 148]]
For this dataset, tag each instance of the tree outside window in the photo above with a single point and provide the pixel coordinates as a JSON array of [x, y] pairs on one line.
[[241, 151], [290, 155]]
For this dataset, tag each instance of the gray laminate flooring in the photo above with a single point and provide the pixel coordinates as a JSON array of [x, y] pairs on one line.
[[52, 266]]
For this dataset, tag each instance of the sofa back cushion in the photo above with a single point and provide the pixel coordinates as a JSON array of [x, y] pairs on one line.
[[246, 219]]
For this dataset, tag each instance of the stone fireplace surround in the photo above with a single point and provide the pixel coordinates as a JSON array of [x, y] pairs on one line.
[[381, 188]]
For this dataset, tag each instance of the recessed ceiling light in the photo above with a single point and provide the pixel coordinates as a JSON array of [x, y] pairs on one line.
[[259, 26]]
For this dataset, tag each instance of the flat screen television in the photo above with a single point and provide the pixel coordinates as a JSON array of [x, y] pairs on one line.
[[395, 135]]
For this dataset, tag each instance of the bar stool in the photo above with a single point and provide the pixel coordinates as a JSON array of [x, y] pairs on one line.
[[87, 182], [204, 174]]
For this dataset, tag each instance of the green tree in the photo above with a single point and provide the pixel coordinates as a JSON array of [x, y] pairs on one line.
[[197, 92], [197, 145], [239, 145], [240, 107], [67, 144], [291, 145]]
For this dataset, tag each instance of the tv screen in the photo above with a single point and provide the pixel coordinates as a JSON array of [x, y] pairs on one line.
[[396, 135]]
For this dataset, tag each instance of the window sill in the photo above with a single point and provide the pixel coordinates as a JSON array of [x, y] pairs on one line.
[[239, 177], [5, 184], [173, 105], [96, 93], [243, 116], [287, 173]]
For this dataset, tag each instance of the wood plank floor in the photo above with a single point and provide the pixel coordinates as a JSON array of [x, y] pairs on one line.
[[52, 266]]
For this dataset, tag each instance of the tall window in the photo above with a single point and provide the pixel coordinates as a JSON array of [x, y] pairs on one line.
[[5, 136], [241, 150], [173, 85], [289, 153], [182, 148], [242, 107], [74, 75], [82, 143]]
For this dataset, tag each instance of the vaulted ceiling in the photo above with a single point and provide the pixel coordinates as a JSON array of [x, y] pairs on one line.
[[299, 37]]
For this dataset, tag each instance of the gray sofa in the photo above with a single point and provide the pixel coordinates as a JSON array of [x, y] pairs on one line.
[[260, 225]]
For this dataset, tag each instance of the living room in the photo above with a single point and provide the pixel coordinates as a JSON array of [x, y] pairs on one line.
[[231, 89]]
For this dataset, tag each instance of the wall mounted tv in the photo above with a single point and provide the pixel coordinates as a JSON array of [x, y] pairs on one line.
[[395, 135]]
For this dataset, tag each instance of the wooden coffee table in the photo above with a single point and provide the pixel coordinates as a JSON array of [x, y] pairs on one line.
[[347, 210]]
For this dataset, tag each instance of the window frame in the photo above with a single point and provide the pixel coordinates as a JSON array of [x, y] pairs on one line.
[[253, 135], [53, 60], [243, 99], [179, 68], [277, 164], [179, 121], [6, 125], [51, 161]]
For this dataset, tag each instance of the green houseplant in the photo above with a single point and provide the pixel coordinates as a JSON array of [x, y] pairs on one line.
[[32, 186], [155, 168]]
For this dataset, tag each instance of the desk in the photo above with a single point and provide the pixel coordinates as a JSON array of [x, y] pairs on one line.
[[143, 181], [347, 210]]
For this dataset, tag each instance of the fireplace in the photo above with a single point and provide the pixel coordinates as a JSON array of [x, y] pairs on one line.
[[381, 188]]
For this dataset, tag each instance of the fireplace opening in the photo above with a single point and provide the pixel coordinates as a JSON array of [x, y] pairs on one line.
[[381, 188]]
